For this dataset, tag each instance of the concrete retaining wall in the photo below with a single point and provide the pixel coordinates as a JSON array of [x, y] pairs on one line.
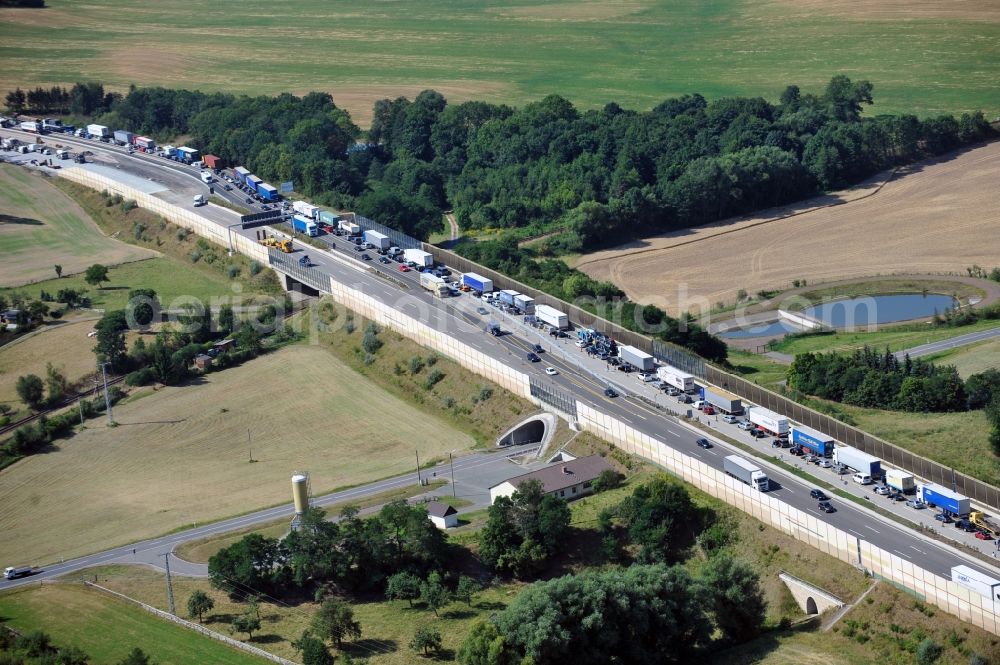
[[475, 361], [188, 219], [934, 589]]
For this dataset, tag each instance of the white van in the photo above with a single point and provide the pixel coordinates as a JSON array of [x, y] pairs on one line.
[[862, 479], [207, 177]]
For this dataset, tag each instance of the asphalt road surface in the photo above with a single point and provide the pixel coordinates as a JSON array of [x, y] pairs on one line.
[[951, 343]]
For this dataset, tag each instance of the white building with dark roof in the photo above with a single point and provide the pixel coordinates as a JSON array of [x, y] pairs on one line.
[[567, 480], [442, 515]]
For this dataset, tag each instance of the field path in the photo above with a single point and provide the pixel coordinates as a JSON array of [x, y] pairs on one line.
[[935, 217]]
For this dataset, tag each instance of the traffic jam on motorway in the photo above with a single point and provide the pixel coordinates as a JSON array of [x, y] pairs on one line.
[[371, 246]]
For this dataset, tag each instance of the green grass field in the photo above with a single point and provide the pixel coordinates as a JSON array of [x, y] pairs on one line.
[[40, 227], [169, 278], [926, 60], [896, 338], [971, 359], [108, 629]]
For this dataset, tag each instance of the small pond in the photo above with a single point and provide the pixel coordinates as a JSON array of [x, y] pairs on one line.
[[855, 313]]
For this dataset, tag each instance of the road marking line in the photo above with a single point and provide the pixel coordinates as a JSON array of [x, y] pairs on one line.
[[868, 527], [901, 554], [914, 548], [673, 433], [855, 532]]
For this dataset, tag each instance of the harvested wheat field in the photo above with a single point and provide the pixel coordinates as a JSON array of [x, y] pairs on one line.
[[40, 227], [180, 455], [935, 217]]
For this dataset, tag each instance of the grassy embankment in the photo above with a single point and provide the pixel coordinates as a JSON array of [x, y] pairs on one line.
[[107, 629]]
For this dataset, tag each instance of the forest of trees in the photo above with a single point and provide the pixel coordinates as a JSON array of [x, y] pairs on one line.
[[596, 174], [882, 381], [588, 178]]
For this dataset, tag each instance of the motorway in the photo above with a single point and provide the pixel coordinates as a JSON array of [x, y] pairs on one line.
[[584, 379]]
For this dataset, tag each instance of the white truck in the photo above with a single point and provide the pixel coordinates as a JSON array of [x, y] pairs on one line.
[[525, 304], [377, 240], [674, 377], [306, 209], [858, 460], [552, 317], [979, 582], [723, 401], [348, 226], [900, 481], [420, 257], [207, 177], [775, 423], [198, 200], [98, 131], [434, 284], [636, 357], [746, 472], [12, 572]]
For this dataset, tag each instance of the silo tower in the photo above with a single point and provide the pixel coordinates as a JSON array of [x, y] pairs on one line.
[[300, 496]]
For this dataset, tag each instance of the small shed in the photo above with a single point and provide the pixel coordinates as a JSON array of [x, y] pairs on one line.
[[212, 161], [223, 345], [202, 361], [442, 515]]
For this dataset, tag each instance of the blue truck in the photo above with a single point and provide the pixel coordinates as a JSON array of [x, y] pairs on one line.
[[267, 192], [477, 283], [943, 498], [809, 439], [253, 182], [305, 226]]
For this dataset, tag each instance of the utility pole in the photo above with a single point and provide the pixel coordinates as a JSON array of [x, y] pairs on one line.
[[107, 400], [170, 586], [79, 403], [451, 461], [249, 445], [419, 481]]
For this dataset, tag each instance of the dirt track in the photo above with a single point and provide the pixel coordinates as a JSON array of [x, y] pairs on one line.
[[935, 217]]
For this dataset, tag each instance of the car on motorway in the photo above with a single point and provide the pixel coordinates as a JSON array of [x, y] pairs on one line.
[[610, 392], [883, 490], [729, 419], [916, 503], [965, 525], [703, 443], [533, 358], [776, 443], [249, 200], [482, 310], [357, 248], [818, 494], [757, 434], [897, 496], [537, 348], [709, 410], [404, 268], [551, 371], [824, 463], [366, 257], [982, 535], [382, 259], [684, 399], [826, 507], [944, 518], [228, 188], [745, 425]]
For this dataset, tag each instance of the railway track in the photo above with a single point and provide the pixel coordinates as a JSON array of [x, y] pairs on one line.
[[27, 420]]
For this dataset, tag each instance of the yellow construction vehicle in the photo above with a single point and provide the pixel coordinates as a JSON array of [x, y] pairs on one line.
[[983, 523], [284, 244]]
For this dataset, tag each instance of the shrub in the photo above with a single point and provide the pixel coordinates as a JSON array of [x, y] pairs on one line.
[[195, 256], [129, 205], [485, 393], [233, 271], [928, 651], [416, 364], [138, 230], [432, 360], [182, 234], [142, 377], [433, 378], [255, 268]]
